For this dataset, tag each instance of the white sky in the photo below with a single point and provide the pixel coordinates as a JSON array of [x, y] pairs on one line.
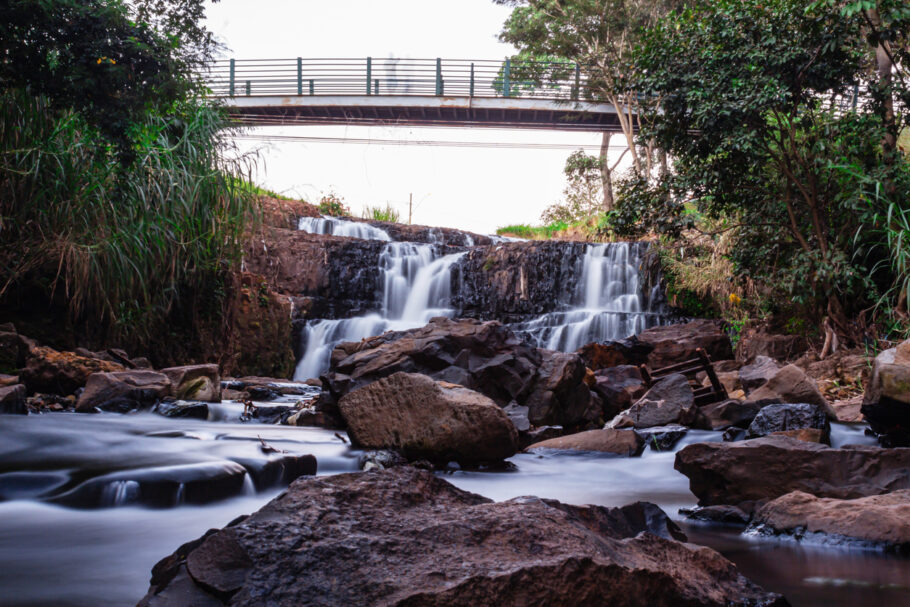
[[477, 189]]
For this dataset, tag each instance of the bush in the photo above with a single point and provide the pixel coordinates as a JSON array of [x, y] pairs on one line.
[[332, 204]]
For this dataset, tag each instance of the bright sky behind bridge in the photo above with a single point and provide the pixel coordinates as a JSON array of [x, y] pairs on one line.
[[473, 188]]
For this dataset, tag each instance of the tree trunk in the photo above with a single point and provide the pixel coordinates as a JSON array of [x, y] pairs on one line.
[[885, 68], [605, 177]]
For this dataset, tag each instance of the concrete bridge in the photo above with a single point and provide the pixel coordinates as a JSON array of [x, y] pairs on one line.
[[409, 92]]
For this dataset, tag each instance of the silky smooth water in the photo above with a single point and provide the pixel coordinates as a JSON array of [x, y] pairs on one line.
[[51, 555]]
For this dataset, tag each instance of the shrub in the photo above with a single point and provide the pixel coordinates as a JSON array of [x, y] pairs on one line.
[[332, 204], [386, 213]]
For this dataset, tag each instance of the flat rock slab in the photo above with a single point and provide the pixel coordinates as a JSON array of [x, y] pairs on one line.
[[608, 440], [883, 520], [761, 469], [406, 537]]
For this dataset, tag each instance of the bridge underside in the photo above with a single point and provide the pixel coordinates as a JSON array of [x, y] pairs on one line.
[[391, 110]]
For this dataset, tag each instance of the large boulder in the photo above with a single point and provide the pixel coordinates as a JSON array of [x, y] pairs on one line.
[[625, 352], [786, 417], [883, 520], [727, 413], [677, 343], [773, 345], [886, 404], [669, 401], [618, 387], [424, 418], [482, 356], [195, 382], [406, 537], [750, 471], [47, 370], [791, 385], [12, 400], [14, 349], [123, 391], [616, 442], [757, 373]]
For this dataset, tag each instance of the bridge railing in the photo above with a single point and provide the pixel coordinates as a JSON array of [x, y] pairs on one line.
[[397, 76]]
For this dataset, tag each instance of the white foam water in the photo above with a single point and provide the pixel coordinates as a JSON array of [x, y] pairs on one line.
[[341, 227]]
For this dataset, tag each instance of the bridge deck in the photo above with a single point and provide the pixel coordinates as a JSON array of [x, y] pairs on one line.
[[409, 92]]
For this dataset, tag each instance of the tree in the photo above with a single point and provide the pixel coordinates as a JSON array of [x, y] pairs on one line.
[[600, 36], [756, 108]]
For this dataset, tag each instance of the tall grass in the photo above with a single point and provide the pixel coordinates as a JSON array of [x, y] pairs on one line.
[[386, 213], [120, 244]]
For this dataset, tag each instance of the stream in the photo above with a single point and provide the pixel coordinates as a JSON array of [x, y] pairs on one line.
[[102, 552]]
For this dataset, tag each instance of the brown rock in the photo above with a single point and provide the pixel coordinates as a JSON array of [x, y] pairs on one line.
[[728, 379], [424, 418], [12, 400], [195, 382], [406, 537], [778, 347], [879, 519], [757, 373], [791, 385], [677, 343], [123, 390], [50, 371], [812, 435], [849, 410], [8, 380], [618, 387], [886, 404], [722, 415], [765, 468], [620, 442], [220, 564], [669, 401], [616, 353]]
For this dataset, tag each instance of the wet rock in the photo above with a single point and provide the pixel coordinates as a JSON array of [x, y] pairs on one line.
[[421, 541], [757, 373], [538, 435], [784, 417], [625, 352], [380, 460], [424, 418], [732, 434], [123, 389], [724, 515], [518, 415], [669, 401], [274, 414], [677, 343], [727, 413], [617, 442], [482, 356], [849, 411], [662, 438], [12, 400], [403, 232], [776, 346], [14, 350], [220, 564], [886, 404], [192, 410], [50, 371], [8, 380], [880, 520], [195, 382], [618, 387], [745, 472], [791, 385], [812, 435]]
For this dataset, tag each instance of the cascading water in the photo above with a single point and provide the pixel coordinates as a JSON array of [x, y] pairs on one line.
[[608, 302], [341, 227], [416, 287]]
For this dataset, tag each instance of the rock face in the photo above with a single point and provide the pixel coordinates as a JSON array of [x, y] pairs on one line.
[[625, 352], [426, 419], [765, 468], [791, 385], [123, 390], [48, 370], [618, 442], [727, 413], [405, 537], [618, 387], [757, 373], [676, 343], [775, 346], [195, 382], [879, 519], [669, 401], [781, 418], [886, 404], [482, 356], [12, 400], [403, 232]]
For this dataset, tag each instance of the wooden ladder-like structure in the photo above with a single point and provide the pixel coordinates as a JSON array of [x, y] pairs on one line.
[[704, 395]]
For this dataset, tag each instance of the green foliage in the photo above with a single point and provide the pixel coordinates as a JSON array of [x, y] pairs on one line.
[[333, 204], [119, 244], [386, 213], [583, 194], [545, 232]]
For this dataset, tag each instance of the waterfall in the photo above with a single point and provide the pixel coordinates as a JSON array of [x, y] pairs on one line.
[[416, 287], [341, 227], [607, 304]]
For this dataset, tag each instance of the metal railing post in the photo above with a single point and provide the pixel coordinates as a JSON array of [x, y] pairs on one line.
[[231, 86], [576, 94], [369, 73], [471, 90], [247, 88], [311, 86], [376, 86], [299, 76], [506, 75], [438, 76]]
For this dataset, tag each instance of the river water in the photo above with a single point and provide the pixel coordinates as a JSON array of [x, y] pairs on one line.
[[92, 556]]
